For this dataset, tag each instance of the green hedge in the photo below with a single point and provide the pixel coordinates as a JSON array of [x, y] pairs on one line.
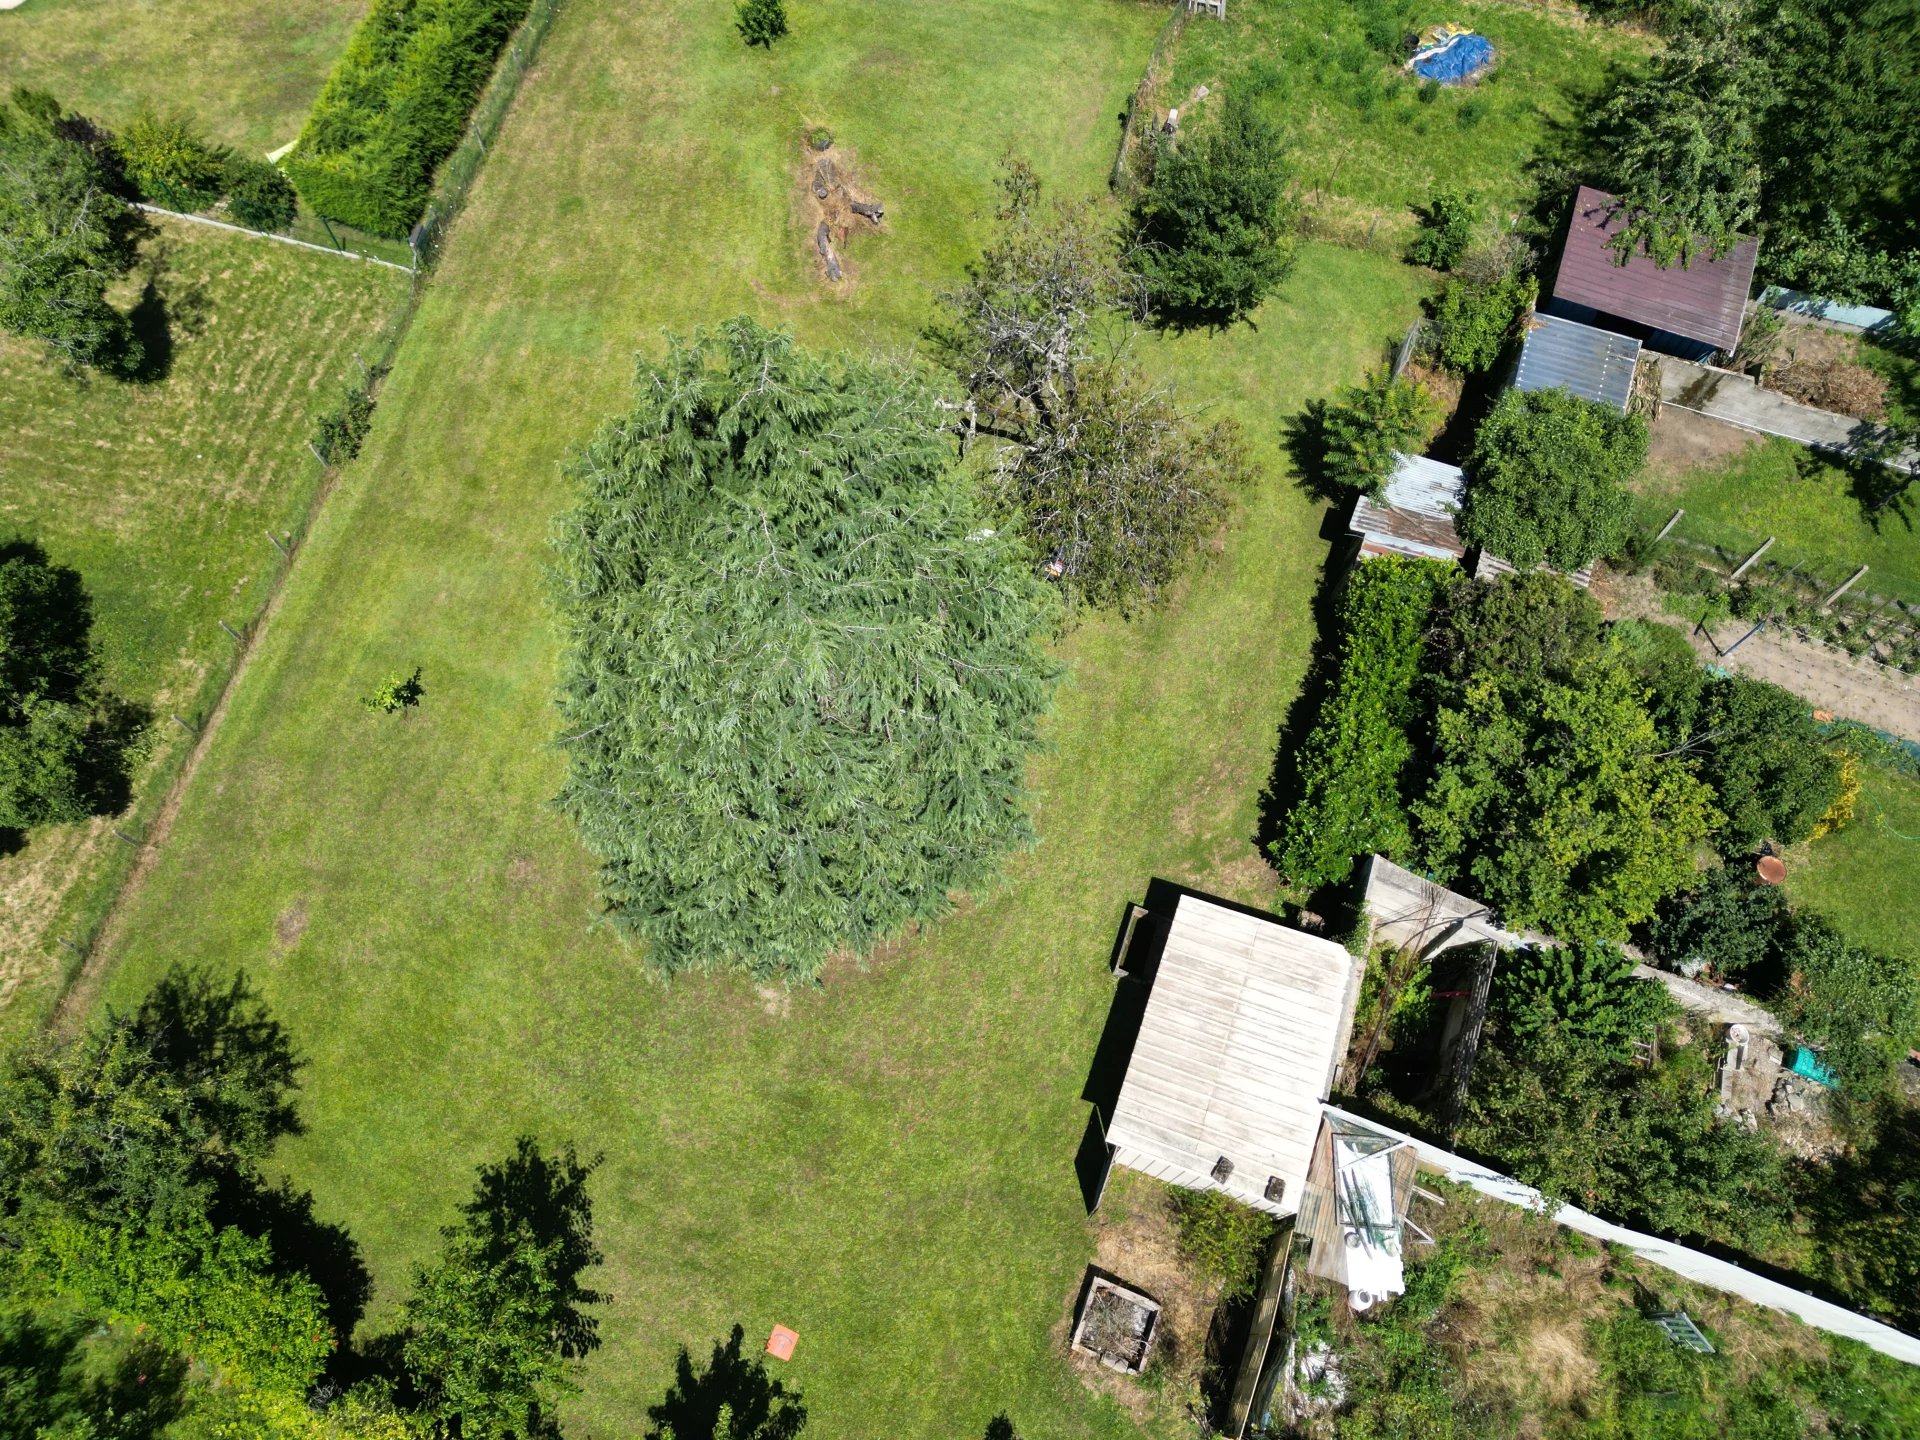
[[1353, 762], [394, 106]]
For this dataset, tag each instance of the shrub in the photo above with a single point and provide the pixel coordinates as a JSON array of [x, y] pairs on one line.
[[1355, 760], [1446, 228], [170, 162], [395, 106], [259, 195], [1226, 1239], [396, 693], [1589, 990], [1367, 424], [1547, 479], [341, 431], [1730, 920], [1473, 320], [1860, 1010], [760, 22]]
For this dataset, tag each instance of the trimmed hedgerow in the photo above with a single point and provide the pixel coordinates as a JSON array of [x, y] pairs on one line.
[[1352, 766], [395, 105]]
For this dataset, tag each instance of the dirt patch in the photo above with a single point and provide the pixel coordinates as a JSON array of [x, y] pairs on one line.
[[776, 1000], [1821, 367], [291, 925], [1444, 386], [522, 872], [1685, 441], [836, 207], [1135, 1242]]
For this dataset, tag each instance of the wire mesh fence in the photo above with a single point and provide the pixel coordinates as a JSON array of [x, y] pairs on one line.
[[457, 172]]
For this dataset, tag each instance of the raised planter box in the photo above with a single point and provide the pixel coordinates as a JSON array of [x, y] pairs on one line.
[[1117, 1326]]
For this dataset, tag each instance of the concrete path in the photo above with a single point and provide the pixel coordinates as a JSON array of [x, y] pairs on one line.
[[1737, 400], [1691, 1264]]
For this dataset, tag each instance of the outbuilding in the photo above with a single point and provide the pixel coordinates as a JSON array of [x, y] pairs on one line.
[[1413, 515], [1691, 311], [1246, 1019], [1560, 354]]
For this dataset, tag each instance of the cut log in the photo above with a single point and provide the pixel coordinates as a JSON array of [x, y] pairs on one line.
[[823, 241], [875, 213]]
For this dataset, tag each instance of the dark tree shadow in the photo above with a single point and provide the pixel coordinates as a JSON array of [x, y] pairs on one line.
[[51, 1386], [1000, 1428], [544, 1199], [224, 1044], [12, 842], [759, 1407], [107, 775], [148, 324], [326, 1252], [1305, 439], [1881, 489]]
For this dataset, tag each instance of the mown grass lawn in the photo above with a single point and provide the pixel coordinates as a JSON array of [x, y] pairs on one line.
[[1812, 507], [1864, 876], [884, 1163], [1363, 128], [160, 494], [249, 71]]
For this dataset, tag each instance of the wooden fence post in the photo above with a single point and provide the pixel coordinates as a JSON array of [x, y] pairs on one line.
[[1744, 564], [1666, 528], [233, 632], [1848, 585], [282, 548]]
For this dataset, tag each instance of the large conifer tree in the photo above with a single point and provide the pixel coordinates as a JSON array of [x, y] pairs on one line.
[[804, 671]]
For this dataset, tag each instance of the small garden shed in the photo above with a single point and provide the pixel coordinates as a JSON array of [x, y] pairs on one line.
[[1689, 311], [1595, 364], [1244, 1024], [1414, 514]]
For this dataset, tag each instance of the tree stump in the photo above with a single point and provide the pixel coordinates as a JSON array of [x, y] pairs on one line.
[[868, 210], [824, 178]]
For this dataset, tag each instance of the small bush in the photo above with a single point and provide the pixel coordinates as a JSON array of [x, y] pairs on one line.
[[259, 196], [1367, 424], [1226, 1239], [342, 430], [1473, 321], [1729, 921], [1446, 228], [396, 693], [170, 162], [760, 22]]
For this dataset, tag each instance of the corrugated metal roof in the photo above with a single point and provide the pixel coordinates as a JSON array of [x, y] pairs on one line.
[[1566, 355], [1703, 302], [1414, 514]]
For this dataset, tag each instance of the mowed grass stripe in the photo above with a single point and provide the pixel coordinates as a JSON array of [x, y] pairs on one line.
[[159, 494], [884, 1163]]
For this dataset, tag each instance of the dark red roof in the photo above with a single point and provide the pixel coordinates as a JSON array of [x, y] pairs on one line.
[[1704, 301]]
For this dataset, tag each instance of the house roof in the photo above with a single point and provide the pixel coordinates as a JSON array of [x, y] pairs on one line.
[[1704, 301], [1414, 514], [1566, 355], [1236, 1051]]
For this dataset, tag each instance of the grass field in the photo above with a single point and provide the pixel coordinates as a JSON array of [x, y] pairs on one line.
[[249, 71], [1363, 129], [159, 494], [1776, 487], [1863, 877], [884, 1163]]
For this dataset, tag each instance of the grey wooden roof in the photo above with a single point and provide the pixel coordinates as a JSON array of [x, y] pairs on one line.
[[1566, 355], [1236, 1049]]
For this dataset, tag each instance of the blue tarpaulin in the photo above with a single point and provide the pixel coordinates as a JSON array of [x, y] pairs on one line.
[[1458, 60]]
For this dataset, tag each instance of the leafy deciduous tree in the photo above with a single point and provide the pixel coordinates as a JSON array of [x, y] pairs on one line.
[[804, 668], [1117, 484], [1587, 989], [1767, 762], [64, 238], [1547, 477], [1554, 800], [170, 161], [494, 1324], [1729, 920]]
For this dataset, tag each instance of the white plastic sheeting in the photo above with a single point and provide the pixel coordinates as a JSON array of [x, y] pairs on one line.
[[1693, 1265]]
